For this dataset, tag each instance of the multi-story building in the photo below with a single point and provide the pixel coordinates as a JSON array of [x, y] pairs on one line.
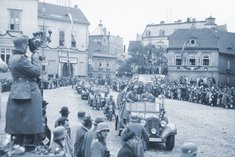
[[69, 39], [202, 54], [103, 51], [158, 34], [17, 17]]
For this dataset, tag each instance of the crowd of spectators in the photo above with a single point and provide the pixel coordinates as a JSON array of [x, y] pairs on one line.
[[203, 93]]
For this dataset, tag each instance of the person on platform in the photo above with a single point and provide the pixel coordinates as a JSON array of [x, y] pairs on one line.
[[24, 106]]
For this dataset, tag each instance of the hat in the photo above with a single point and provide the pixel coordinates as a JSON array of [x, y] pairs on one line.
[[81, 114], [129, 135], [64, 111], [98, 120], [21, 43], [59, 133], [102, 127], [189, 150], [87, 121]]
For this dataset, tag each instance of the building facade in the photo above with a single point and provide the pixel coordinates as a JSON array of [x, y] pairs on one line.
[[158, 34], [103, 51], [202, 55], [67, 53], [14, 19]]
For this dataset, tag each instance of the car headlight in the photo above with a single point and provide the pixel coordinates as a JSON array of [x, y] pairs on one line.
[[163, 123], [143, 122], [153, 131]]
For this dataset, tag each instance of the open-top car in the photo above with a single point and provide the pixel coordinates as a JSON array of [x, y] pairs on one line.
[[152, 116]]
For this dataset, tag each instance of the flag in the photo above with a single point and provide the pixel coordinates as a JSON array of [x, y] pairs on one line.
[[182, 51], [71, 19]]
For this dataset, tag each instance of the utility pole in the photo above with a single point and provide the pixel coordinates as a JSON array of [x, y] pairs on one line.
[[43, 45]]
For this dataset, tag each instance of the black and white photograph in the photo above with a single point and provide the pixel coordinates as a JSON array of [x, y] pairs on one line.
[[117, 78]]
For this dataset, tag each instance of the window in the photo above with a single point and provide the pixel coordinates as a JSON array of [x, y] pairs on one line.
[[228, 64], [178, 60], [148, 33], [14, 20], [161, 32], [61, 38], [73, 41], [5, 54], [206, 60], [192, 60]]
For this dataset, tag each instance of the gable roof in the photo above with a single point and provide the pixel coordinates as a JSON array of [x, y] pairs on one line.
[[207, 39], [57, 12]]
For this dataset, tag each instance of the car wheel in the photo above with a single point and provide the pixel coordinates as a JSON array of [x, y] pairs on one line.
[[170, 142]]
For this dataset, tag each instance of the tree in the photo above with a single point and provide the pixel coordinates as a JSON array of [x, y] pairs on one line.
[[146, 60]]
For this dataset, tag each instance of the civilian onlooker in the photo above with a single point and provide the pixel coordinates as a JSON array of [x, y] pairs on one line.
[[64, 113]]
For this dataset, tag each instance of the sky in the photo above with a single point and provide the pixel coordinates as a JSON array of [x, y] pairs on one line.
[[126, 18]]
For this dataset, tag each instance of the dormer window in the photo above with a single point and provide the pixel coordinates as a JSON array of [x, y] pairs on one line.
[[193, 42]]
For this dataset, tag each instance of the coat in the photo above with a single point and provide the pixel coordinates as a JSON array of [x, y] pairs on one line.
[[80, 133], [25, 117], [89, 136], [141, 136], [98, 149], [126, 151]]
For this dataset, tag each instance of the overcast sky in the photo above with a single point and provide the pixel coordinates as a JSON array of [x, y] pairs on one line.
[[126, 18]]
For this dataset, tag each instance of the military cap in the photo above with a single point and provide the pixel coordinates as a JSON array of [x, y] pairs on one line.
[[21, 43]]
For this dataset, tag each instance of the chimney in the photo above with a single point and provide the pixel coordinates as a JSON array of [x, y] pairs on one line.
[[75, 6], [162, 22]]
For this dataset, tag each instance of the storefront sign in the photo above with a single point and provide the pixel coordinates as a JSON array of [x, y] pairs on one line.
[[71, 60]]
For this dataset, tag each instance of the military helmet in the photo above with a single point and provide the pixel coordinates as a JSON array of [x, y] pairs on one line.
[[102, 127], [59, 133], [189, 150]]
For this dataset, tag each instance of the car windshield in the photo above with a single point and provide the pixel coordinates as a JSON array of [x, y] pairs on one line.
[[143, 107]]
